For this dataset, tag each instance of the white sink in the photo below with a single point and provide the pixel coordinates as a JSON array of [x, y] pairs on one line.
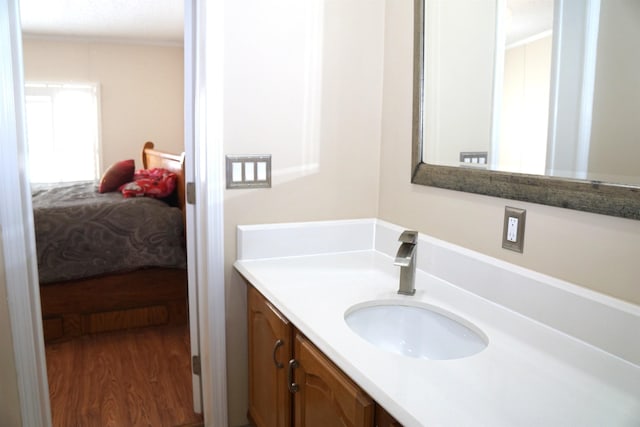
[[419, 331]]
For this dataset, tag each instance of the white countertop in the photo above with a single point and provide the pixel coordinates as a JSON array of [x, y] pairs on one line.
[[529, 374]]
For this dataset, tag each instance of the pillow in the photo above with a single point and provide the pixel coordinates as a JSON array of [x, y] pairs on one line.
[[158, 183], [117, 175]]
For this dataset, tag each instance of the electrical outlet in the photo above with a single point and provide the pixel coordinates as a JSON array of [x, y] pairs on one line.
[[513, 229]]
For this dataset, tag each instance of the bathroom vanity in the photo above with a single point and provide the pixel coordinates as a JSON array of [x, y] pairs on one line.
[[553, 353], [278, 353]]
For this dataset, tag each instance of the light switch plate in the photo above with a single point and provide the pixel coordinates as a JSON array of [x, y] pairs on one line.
[[249, 171], [473, 158], [513, 229]]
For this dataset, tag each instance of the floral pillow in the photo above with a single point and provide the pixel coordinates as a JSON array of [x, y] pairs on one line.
[[158, 183], [116, 175]]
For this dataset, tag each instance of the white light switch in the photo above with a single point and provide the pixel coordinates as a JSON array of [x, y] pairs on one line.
[[236, 172], [262, 171], [249, 174]]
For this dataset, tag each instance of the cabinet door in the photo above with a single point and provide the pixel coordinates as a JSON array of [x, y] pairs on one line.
[[325, 395], [384, 419], [270, 347]]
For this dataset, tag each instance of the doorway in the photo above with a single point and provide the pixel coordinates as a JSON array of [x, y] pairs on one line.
[[20, 270], [102, 59], [95, 55]]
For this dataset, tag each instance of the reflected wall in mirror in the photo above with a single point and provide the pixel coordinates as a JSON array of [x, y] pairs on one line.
[[530, 100]]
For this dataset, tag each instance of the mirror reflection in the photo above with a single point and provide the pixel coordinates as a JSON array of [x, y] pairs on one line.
[[534, 86]]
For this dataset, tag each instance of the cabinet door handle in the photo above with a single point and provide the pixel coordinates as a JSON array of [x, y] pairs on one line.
[[279, 343], [293, 387]]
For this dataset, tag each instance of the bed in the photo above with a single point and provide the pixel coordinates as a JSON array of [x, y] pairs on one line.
[[110, 263]]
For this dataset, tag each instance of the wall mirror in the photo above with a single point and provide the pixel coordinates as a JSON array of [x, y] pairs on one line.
[[532, 100]]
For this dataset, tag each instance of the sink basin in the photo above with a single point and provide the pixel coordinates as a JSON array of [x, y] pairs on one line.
[[418, 331]]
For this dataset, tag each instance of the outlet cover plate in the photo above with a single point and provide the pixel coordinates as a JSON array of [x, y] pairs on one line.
[[520, 215]]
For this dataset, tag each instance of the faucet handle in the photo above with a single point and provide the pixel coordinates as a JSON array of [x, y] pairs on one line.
[[409, 236]]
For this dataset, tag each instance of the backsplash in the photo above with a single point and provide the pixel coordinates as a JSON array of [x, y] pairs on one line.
[[589, 316]]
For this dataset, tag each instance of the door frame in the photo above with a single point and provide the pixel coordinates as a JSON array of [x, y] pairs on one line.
[[18, 238], [204, 84], [16, 220]]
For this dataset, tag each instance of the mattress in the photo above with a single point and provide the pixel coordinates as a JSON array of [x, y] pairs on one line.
[[82, 233]]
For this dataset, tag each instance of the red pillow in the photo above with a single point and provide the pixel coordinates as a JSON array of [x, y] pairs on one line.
[[158, 183], [117, 175]]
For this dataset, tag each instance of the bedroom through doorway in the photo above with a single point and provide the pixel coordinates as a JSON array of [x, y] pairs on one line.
[[118, 341]]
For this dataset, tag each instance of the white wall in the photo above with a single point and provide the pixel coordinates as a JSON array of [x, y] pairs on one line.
[[303, 82], [594, 251], [142, 93]]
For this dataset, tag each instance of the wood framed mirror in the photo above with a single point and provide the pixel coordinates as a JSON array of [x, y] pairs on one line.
[[585, 193]]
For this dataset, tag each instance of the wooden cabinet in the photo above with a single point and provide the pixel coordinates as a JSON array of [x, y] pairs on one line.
[[270, 348], [325, 395], [384, 419], [292, 383]]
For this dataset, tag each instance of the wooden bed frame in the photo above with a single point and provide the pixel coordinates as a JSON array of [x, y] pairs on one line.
[[145, 297]]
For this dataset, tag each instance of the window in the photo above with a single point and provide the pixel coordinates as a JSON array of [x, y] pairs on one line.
[[62, 132]]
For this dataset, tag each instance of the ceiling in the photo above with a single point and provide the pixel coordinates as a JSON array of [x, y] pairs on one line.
[[161, 21], [157, 21], [527, 18]]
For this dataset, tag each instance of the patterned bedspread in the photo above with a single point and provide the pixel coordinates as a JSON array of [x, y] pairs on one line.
[[82, 233]]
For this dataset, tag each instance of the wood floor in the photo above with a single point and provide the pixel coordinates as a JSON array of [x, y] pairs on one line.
[[130, 378]]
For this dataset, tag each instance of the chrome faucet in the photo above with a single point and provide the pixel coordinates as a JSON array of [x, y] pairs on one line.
[[406, 259]]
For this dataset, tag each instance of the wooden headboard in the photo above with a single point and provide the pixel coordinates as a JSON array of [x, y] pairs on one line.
[[152, 158]]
